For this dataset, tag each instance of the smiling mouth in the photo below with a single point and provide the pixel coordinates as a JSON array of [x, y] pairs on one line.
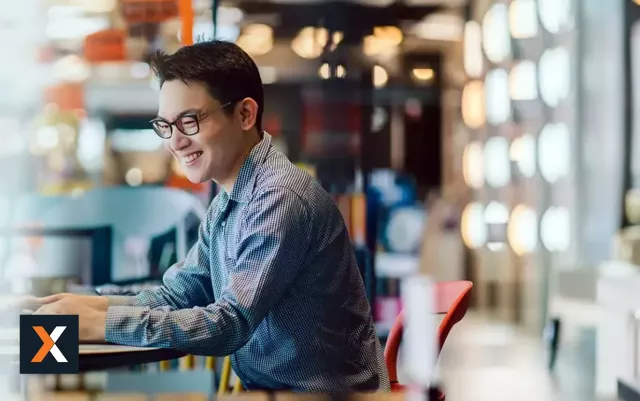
[[192, 157]]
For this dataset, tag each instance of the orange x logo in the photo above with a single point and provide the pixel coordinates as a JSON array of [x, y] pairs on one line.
[[49, 344]]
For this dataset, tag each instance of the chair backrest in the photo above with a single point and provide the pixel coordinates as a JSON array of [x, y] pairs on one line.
[[452, 300]]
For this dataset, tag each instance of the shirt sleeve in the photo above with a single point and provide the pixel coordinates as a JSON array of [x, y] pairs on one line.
[[185, 284], [273, 248]]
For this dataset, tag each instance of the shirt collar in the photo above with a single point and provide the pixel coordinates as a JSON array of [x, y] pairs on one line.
[[243, 186]]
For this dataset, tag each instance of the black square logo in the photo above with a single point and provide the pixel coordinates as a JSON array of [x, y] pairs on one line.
[[49, 344]]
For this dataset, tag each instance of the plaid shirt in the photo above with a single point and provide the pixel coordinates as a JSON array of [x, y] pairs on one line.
[[272, 281]]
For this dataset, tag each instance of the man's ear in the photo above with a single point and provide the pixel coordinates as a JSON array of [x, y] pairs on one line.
[[248, 109]]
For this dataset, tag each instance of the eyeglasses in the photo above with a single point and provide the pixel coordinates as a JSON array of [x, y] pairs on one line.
[[187, 124]]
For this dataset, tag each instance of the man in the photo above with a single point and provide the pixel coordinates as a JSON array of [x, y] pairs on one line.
[[272, 279]]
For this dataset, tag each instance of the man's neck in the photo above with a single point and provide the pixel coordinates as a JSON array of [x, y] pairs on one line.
[[227, 182]]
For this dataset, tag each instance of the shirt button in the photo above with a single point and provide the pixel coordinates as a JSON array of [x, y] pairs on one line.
[[224, 223]]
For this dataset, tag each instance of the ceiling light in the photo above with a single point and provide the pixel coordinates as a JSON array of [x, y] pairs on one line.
[[554, 69], [473, 104], [554, 151], [496, 213], [380, 76], [310, 42], [555, 15], [385, 40], [473, 59], [555, 229], [423, 74], [440, 26], [390, 34], [523, 153], [522, 230], [523, 19], [498, 101], [473, 227], [496, 159], [473, 165], [495, 33], [324, 71], [523, 82], [336, 38], [256, 39]]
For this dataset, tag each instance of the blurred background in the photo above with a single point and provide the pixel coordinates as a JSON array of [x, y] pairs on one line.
[[517, 115]]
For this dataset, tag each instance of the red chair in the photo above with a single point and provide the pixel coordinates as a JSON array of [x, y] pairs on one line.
[[452, 300]]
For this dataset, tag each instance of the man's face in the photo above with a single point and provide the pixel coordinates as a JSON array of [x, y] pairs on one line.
[[210, 153]]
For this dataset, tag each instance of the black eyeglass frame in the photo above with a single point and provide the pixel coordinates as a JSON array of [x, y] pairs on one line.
[[197, 118]]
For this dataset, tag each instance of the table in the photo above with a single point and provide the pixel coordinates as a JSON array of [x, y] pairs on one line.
[[95, 357]]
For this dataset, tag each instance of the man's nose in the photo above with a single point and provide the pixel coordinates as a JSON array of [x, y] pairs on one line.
[[178, 140]]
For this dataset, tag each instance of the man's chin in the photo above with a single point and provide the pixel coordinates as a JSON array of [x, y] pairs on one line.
[[196, 177], [197, 180]]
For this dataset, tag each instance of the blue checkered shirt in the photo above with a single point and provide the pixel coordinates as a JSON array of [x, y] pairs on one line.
[[272, 281]]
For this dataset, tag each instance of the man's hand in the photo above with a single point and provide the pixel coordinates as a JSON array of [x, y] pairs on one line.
[[96, 302], [92, 313]]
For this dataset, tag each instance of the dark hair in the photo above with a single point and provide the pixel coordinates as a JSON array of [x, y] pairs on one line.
[[227, 71]]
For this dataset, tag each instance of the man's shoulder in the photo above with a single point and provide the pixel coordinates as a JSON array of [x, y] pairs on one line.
[[279, 174]]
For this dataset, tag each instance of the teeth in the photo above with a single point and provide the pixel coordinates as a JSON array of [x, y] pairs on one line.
[[191, 157]]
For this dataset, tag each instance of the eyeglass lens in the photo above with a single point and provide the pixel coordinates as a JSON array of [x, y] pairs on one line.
[[188, 125]]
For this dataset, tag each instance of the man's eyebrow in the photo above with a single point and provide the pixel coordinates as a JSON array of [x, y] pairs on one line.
[[181, 114]]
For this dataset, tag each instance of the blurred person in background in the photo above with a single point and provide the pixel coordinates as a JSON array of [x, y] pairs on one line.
[[272, 279]]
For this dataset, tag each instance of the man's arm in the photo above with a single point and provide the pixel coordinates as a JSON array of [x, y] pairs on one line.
[[274, 244], [185, 284]]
